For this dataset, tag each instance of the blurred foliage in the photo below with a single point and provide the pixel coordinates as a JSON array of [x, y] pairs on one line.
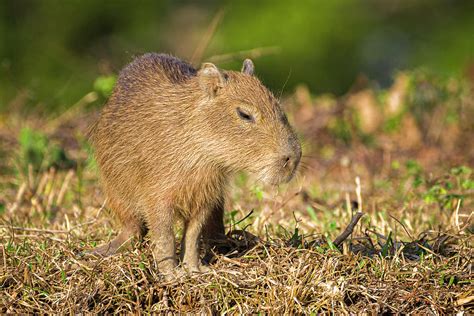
[[104, 85], [32, 148], [51, 53], [446, 190], [37, 151], [420, 108]]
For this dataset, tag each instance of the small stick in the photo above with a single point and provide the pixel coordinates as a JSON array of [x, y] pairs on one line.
[[457, 215], [358, 193], [64, 187], [349, 229], [21, 192], [52, 191], [31, 178], [42, 183], [403, 226], [211, 30], [355, 219], [251, 53], [35, 230]]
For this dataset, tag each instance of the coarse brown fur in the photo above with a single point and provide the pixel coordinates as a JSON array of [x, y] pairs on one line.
[[168, 141]]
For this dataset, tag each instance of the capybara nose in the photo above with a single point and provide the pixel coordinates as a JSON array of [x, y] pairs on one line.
[[292, 155], [288, 161], [291, 160]]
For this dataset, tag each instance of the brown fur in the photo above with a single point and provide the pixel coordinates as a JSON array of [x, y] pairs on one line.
[[170, 138]]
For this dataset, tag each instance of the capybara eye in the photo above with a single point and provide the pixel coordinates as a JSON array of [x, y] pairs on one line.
[[245, 115]]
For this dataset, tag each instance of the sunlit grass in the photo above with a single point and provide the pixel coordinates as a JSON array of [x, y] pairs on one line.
[[410, 252]]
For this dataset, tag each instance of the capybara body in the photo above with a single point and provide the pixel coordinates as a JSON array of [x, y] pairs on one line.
[[168, 141]]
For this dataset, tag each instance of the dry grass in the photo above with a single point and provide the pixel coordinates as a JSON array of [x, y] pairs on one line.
[[43, 272], [410, 252]]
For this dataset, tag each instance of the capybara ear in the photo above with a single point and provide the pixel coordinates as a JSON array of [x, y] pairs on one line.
[[248, 67], [211, 79]]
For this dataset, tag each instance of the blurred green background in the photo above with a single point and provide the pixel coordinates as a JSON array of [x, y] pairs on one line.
[[51, 52]]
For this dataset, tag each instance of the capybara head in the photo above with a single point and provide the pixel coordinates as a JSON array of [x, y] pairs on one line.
[[245, 126]]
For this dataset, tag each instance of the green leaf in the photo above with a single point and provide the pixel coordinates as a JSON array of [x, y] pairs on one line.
[[295, 238], [312, 213], [413, 167], [331, 245], [104, 85], [418, 181], [395, 165], [385, 251], [467, 184], [63, 276], [258, 193], [461, 170], [451, 280], [33, 146]]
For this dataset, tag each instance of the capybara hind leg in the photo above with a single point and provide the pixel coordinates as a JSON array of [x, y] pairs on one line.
[[132, 227], [120, 242]]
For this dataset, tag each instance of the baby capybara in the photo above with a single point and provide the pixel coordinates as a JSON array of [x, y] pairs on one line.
[[168, 141]]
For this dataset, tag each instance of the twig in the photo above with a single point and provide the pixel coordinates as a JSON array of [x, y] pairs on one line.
[[64, 187], [35, 230], [200, 49], [403, 226], [234, 262], [377, 234], [289, 199], [457, 215], [349, 229], [251, 53], [39, 236], [71, 112], [245, 217], [358, 193]]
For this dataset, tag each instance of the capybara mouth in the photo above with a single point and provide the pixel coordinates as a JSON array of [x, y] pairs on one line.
[[282, 177]]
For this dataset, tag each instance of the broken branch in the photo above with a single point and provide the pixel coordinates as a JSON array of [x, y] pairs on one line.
[[349, 229]]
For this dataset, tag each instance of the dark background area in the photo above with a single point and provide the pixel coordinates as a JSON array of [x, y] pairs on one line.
[[51, 52]]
